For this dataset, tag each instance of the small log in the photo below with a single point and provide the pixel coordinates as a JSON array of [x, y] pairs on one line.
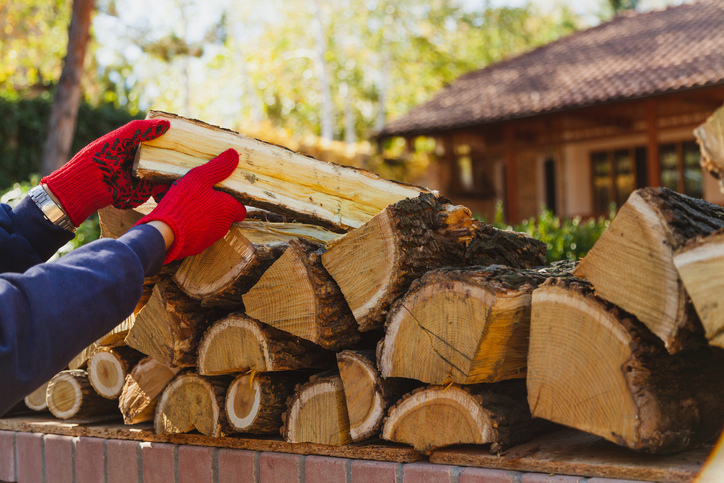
[[81, 360], [115, 222], [170, 326], [632, 263], [255, 401], [239, 343], [193, 402], [596, 368], [317, 413], [142, 386], [492, 246], [222, 273], [36, 400], [108, 367], [437, 416], [117, 336], [297, 295], [465, 325], [710, 136], [70, 395], [367, 395]]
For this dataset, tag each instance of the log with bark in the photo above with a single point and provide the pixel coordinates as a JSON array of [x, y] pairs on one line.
[[239, 343], [222, 273], [108, 367], [270, 176], [436, 416], [297, 295], [710, 136], [70, 395], [466, 325], [594, 367], [193, 402], [142, 386], [317, 413], [632, 263], [36, 400]]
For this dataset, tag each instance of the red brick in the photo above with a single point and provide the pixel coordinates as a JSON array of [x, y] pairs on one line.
[[122, 460], [542, 478], [89, 460], [428, 473], [157, 460], [194, 464], [279, 468], [323, 469], [487, 475], [373, 471], [7, 456], [29, 457], [236, 466], [58, 459], [608, 480]]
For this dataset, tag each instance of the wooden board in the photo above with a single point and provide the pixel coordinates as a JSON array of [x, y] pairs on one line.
[[571, 452]]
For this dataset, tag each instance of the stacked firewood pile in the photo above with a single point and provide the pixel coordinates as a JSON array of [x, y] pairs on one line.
[[410, 320]]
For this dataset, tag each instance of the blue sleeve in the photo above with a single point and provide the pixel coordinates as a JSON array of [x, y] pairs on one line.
[[54, 310]]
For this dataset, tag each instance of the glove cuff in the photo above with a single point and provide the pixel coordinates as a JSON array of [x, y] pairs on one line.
[[79, 192], [179, 238]]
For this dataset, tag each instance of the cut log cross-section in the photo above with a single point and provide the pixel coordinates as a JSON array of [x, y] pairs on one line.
[[36, 400], [70, 395], [270, 176], [297, 295], [596, 368], [239, 343], [632, 263], [108, 367], [142, 386], [317, 413], [464, 325]]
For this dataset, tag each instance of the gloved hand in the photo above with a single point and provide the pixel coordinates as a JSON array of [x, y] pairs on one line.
[[198, 214], [100, 174]]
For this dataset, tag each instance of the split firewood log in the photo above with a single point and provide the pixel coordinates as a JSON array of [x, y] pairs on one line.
[[108, 367], [436, 416], [297, 295], [239, 343], [222, 273], [710, 136], [117, 336], [632, 263], [170, 326], [81, 360], [142, 386], [115, 222], [70, 395], [367, 395], [465, 325], [193, 402], [317, 413], [596, 368], [36, 400]]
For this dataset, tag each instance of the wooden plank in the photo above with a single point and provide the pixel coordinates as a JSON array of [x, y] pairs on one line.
[[375, 449], [571, 452], [652, 144], [270, 176]]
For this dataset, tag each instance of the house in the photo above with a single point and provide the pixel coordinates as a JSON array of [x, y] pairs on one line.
[[581, 122]]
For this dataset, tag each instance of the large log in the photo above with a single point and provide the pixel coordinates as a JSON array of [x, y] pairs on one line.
[[465, 325], [108, 367], [70, 395], [632, 263], [270, 176], [297, 295], [594, 367], [239, 343], [142, 386], [710, 136], [222, 273]]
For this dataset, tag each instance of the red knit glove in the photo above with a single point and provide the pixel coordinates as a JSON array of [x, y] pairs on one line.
[[100, 174], [197, 213]]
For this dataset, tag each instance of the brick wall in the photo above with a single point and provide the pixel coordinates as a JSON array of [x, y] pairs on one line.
[[35, 458]]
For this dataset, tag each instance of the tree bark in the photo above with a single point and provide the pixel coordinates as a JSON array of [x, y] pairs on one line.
[[70, 395]]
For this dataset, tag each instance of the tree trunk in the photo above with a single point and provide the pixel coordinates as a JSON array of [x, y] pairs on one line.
[[70, 395], [108, 367], [147, 379]]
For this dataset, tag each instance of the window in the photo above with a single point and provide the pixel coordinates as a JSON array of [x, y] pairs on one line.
[[614, 177], [680, 168], [470, 177]]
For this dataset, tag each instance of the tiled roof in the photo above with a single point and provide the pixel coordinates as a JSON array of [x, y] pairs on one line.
[[633, 55]]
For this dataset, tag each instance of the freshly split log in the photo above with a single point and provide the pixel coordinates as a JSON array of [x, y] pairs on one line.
[[632, 264], [437, 416], [36, 400], [317, 413], [142, 386], [115, 222], [367, 395], [81, 360], [596, 368], [222, 273], [465, 325], [70, 395], [193, 402], [710, 136], [270, 176], [255, 401], [297, 295], [108, 367], [170, 326], [117, 336], [239, 343]]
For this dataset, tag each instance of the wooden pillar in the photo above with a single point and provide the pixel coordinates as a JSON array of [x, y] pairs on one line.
[[511, 176], [652, 147]]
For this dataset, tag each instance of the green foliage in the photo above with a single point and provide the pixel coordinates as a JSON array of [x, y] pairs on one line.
[[567, 238]]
